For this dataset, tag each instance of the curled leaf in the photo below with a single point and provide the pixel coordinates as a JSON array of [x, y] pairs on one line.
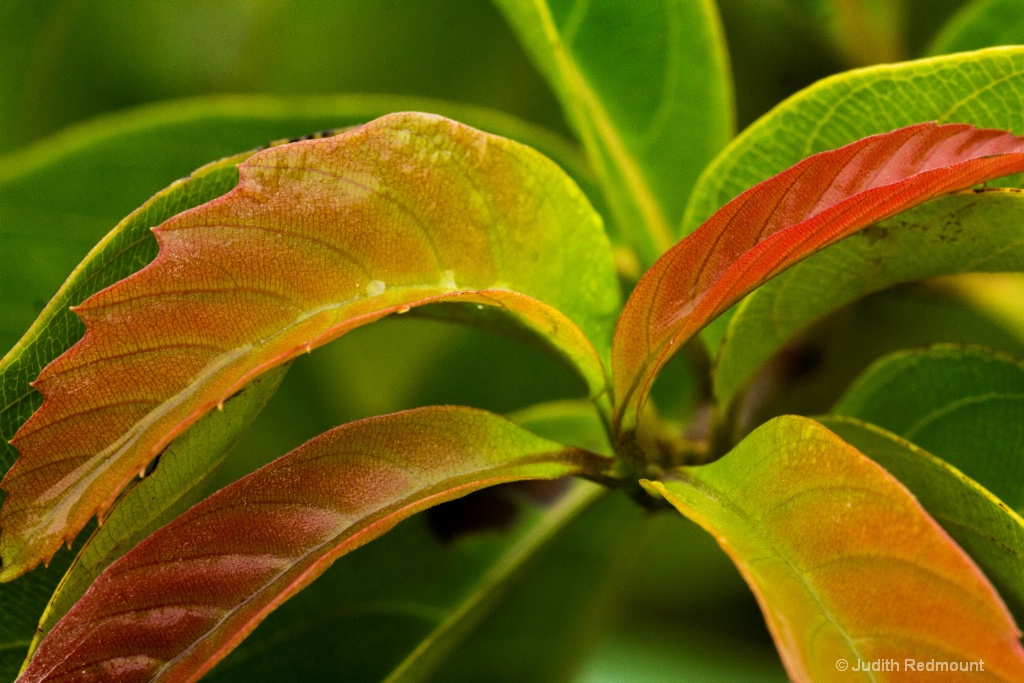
[[783, 220], [184, 597], [319, 237]]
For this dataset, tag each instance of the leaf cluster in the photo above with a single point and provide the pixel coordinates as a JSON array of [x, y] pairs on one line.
[[805, 337]]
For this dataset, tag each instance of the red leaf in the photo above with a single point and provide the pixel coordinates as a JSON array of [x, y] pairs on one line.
[[183, 598], [785, 219]]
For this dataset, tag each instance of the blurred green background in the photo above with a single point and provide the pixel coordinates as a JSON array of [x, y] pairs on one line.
[[674, 608]]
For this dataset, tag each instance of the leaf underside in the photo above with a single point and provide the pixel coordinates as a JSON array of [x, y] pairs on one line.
[[845, 563], [179, 601], [319, 237], [783, 220]]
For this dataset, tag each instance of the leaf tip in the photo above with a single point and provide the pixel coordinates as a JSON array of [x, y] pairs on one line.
[[655, 488]]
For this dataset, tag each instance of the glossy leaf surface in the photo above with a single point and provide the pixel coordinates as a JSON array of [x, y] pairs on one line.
[[984, 89], [179, 601], [831, 544], [966, 232], [318, 238], [784, 220], [984, 526], [637, 81], [957, 403]]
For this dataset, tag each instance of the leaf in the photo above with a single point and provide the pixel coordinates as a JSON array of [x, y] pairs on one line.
[[985, 527], [400, 618], [264, 274], [995, 296], [181, 599], [481, 598], [81, 182], [954, 402], [980, 24], [968, 232], [985, 89], [637, 123], [184, 468], [811, 373], [782, 221], [844, 561], [127, 248], [403, 626]]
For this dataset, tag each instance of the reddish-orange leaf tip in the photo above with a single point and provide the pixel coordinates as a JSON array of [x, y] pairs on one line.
[[784, 219]]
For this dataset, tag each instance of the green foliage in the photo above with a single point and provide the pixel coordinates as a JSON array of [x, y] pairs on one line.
[[581, 139]]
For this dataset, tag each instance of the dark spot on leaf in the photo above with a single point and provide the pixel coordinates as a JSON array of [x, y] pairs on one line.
[[875, 233]]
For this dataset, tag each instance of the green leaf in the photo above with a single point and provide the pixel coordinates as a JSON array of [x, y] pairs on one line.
[[318, 238], [184, 597], [980, 24], [80, 183], [955, 402], [966, 232], [984, 526], [985, 89], [831, 543], [646, 87]]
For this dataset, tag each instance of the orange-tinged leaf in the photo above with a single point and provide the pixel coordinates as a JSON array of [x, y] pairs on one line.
[[786, 218], [184, 597], [847, 566], [318, 237]]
